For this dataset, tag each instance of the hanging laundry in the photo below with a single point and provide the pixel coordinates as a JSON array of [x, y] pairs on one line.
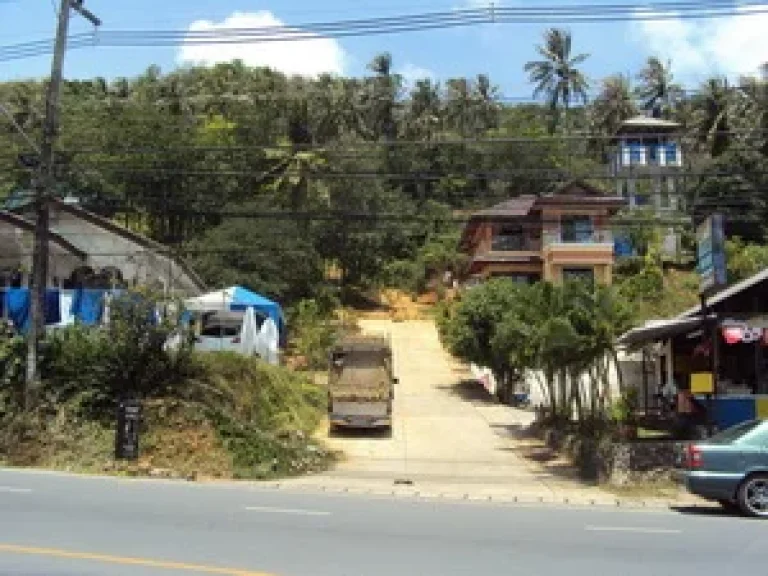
[[87, 305], [52, 306], [66, 314], [17, 306]]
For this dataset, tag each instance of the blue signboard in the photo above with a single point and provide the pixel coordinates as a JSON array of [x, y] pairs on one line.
[[710, 253]]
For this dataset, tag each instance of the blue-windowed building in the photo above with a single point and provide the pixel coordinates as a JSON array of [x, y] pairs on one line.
[[647, 163]]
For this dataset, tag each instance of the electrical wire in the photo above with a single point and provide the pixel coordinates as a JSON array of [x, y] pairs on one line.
[[573, 14]]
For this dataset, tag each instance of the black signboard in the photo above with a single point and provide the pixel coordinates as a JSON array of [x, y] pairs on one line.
[[127, 433]]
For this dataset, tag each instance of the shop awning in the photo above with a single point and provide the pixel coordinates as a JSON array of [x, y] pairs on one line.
[[659, 330]]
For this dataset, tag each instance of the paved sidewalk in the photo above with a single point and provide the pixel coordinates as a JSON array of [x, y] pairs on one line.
[[449, 438]]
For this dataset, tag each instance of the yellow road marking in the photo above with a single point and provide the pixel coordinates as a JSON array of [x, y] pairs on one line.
[[127, 561]]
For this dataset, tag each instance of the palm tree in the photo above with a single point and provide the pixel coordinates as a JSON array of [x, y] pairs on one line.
[[613, 105], [713, 107], [557, 76], [658, 90], [751, 110]]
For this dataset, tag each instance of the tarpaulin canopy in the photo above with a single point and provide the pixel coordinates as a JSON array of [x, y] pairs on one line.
[[237, 298]]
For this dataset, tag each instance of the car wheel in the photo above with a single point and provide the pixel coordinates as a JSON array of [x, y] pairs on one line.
[[753, 496]]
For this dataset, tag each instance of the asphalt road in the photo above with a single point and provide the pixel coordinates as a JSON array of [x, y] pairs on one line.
[[59, 525]]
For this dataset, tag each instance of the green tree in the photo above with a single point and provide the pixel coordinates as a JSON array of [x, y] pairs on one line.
[[613, 105], [659, 92], [557, 76], [271, 256]]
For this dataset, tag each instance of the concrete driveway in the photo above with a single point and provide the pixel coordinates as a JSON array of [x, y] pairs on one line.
[[448, 436]]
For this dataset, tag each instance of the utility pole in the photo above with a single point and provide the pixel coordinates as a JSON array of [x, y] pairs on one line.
[[44, 190]]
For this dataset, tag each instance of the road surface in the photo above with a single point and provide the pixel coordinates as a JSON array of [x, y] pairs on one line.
[[59, 525]]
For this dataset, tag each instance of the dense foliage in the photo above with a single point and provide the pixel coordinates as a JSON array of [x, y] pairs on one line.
[[271, 181], [562, 336]]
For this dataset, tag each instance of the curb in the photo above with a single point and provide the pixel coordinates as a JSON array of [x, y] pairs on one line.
[[462, 496]]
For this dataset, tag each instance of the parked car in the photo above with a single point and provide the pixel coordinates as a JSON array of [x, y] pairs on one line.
[[731, 468], [221, 330]]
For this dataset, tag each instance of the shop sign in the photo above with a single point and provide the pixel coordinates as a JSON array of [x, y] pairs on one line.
[[710, 253], [739, 332]]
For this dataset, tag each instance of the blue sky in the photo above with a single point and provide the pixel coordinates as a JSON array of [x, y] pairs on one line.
[[732, 45]]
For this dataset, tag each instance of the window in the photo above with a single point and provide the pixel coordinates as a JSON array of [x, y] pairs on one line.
[[518, 277], [576, 228], [586, 275], [508, 237], [665, 198]]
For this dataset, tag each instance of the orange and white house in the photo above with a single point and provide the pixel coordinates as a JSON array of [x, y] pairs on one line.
[[552, 238]]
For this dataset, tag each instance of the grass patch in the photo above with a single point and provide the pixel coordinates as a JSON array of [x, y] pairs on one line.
[[233, 417]]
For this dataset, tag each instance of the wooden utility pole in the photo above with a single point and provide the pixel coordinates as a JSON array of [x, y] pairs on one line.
[[44, 186]]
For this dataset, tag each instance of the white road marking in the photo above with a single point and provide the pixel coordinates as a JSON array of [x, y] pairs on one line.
[[15, 490], [633, 529], [295, 511]]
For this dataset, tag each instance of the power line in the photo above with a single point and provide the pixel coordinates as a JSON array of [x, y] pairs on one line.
[[573, 14]]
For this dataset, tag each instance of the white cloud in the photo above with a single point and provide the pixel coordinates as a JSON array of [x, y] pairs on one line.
[[411, 73], [731, 45], [309, 57]]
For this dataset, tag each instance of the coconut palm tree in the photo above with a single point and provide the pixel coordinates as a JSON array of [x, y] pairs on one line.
[[613, 105], [751, 110], [713, 108], [557, 76], [658, 90]]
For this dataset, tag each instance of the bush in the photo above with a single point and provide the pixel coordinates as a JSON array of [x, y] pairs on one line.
[[128, 357], [264, 414], [312, 334], [13, 351], [406, 275]]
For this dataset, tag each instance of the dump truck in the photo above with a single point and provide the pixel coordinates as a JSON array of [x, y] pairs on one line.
[[361, 384]]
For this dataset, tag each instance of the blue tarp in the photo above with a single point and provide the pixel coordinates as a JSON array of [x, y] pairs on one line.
[[16, 304], [239, 298]]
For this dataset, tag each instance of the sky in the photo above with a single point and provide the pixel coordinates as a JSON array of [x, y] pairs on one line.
[[697, 49]]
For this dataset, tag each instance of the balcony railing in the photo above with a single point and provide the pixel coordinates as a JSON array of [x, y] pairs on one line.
[[503, 243], [593, 237], [654, 155]]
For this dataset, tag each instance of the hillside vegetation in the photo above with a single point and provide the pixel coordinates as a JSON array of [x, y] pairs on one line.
[[361, 179], [204, 415]]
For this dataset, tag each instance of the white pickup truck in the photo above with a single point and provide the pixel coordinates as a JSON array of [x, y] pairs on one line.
[[361, 384]]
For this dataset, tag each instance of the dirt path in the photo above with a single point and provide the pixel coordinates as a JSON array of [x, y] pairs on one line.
[[447, 434]]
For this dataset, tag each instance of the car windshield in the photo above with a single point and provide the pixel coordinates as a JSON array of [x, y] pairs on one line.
[[731, 435]]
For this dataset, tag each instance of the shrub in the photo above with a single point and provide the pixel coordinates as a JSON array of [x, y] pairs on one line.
[[313, 333], [127, 357], [264, 414]]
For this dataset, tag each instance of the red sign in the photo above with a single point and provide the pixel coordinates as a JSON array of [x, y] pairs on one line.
[[734, 333]]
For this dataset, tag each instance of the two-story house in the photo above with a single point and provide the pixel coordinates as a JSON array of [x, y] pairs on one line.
[[552, 238]]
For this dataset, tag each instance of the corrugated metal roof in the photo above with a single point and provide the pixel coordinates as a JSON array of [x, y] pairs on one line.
[[657, 330], [729, 292]]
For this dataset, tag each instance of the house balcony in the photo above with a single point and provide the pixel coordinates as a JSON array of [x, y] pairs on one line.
[[629, 156], [593, 247]]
